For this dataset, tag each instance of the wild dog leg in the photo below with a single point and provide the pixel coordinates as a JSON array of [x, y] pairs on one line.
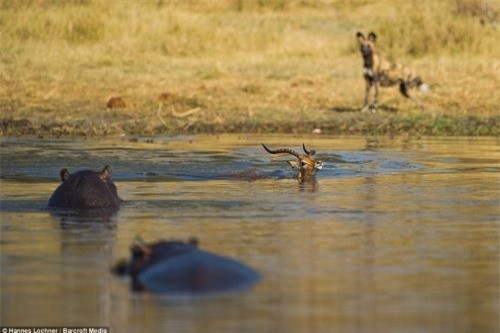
[[375, 99], [367, 95]]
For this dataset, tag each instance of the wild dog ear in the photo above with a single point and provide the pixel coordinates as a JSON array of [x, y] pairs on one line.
[[105, 173], [294, 164], [360, 37], [64, 174], [372, 36]]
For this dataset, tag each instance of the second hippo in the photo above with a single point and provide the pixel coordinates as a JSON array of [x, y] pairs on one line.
[[86, 190], [176, 267]]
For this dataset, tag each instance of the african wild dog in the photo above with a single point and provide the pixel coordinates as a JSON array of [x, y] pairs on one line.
[[379, 71]]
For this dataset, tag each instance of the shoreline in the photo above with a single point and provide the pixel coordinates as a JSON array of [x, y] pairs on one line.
[[418, 123]]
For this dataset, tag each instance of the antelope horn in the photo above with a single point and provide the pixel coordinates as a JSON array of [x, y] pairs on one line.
[[281, 151], [310, 152]]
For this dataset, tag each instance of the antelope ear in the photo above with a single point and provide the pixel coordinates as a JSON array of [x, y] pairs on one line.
[[105, 173], [360, 37], [372, 36], [64, 174], [294, 164]]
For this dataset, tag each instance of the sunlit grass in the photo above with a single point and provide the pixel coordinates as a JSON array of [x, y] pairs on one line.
[[247, 65]]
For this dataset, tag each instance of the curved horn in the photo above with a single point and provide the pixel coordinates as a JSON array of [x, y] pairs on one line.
[[310, 152], [281, 151]]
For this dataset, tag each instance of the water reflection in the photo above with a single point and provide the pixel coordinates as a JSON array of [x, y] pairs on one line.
[[84, 221], [308, 185], [397, 236]]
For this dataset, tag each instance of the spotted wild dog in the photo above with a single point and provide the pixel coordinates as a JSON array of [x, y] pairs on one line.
[[378, 71], [306, 164]]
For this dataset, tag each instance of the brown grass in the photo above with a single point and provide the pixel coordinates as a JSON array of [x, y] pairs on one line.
[[242, 66]]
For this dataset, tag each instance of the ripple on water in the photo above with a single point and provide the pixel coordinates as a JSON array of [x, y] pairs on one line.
[[397, 236]]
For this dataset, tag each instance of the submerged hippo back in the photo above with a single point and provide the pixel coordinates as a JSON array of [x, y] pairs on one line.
[[85, 189], [179, 268]]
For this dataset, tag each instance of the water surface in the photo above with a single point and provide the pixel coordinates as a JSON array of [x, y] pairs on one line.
[[395, 235]]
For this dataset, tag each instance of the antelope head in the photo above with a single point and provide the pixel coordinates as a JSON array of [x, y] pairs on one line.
[[307, 165]]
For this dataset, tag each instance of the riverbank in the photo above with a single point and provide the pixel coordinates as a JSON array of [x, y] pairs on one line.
[[235, 66], [415, 123]]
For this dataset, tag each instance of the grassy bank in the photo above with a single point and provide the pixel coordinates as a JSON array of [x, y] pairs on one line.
[[242, 66]]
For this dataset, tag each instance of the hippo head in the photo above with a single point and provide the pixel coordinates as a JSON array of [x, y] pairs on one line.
[[143, 255], [85, 190], [181, 268]]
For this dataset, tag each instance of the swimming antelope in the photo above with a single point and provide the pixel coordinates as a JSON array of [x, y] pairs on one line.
[[306, 164], [379, 71]]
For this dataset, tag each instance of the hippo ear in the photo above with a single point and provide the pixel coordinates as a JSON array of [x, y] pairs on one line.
[[294, 164], [372, 36], [360, 37], [105, 173], [138, 241], [140, 248], [193, 241], [64, 174]]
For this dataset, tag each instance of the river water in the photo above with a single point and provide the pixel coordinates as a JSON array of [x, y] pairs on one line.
[[395, 235]]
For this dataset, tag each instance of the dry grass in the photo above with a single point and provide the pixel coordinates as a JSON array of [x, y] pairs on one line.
[[241, 65]]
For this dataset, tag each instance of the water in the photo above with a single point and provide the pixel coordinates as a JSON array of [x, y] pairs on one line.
[[396, 235]]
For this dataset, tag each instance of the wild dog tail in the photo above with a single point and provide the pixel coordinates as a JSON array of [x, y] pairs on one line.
[[417, 81], [403, 88], [424, 88], [421, 85]]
